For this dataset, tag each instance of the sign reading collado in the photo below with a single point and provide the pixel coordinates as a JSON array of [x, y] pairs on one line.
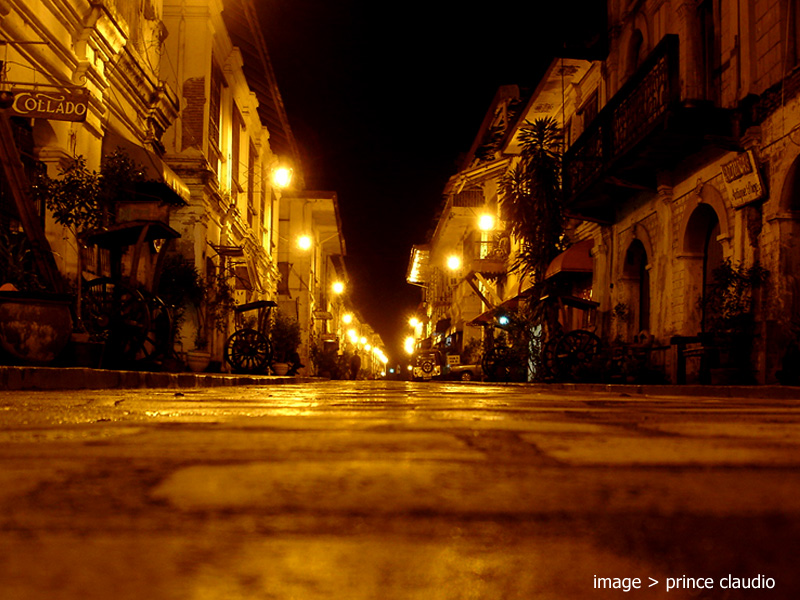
[[56, 104], [743, 179]]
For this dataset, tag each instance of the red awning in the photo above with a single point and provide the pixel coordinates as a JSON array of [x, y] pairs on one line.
[[576, 259]]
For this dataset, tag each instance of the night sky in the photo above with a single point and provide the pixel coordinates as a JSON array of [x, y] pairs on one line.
[[383, 98]]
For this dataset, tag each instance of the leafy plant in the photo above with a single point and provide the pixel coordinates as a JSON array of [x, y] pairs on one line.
[[18, 263], [531, 197], [728, 302], [74, 197], [220, 300], [325, 361], [81, 199], [284, 335], [180, 286]]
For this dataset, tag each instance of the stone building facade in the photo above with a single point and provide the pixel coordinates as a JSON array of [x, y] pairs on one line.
[[680, 155]]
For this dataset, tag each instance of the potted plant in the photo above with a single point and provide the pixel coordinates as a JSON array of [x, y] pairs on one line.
[[35, 324], [285, 339]]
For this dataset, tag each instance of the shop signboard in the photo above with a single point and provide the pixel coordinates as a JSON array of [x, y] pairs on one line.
[[53, 104], [743, 179]]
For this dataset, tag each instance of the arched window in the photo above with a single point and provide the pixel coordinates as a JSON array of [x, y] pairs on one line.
[[635, 51]]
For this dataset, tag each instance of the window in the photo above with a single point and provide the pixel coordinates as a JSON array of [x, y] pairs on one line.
[[251, 186], [214, 118], [710, 49], [236, 141], [589, 109]]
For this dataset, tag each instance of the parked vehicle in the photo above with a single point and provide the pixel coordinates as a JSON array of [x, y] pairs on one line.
[[429, 364], [465, 372]]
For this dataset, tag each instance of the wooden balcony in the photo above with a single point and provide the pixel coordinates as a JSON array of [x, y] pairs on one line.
[[490, 259], [644, 128]]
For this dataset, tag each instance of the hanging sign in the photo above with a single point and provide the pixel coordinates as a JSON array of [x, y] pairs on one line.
[[743, 180], [56, 105]]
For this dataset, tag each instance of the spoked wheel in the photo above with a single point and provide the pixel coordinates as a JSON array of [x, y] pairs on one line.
[[574, 353], [118, 314], [248, 351], [158, 338], [499, 364], [549, 362]]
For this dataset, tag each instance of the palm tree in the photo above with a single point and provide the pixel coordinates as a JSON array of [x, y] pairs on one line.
[[531, 197]]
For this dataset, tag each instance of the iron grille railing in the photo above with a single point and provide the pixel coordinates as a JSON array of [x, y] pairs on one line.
[[628, 118]]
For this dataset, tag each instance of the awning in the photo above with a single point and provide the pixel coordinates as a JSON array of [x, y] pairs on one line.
[[155, 169], [576, 259], [442, 325], [120, 235], [487, 317]]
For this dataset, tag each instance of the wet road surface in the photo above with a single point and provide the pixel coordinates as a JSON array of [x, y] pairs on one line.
[[391, 490]]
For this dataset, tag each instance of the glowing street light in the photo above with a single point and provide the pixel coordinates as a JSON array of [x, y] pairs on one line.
[[347, 318], [453, 262], [486, 222], [337, 287], [408, 345], [413, 322], [282, 177], [304, 242]]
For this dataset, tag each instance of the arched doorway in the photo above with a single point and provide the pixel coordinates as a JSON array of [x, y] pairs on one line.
[[701, 243], [636, 274]]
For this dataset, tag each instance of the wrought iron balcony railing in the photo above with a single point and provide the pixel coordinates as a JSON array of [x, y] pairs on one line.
[[640, 107]]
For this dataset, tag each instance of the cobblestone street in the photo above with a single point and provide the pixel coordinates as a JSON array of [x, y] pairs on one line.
[[394, 490]]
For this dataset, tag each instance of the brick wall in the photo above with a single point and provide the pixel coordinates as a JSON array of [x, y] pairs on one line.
[[768, 37], [192, 120]]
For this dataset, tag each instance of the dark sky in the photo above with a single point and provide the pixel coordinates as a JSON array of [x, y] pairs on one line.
[[383, 98]]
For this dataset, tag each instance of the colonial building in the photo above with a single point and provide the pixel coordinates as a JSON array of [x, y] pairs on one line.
[[185, 90], [462, 269], [685, 160], [680, 157], [313, 277]]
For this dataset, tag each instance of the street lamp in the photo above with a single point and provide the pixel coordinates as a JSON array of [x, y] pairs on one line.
[[304, 242], [282, 177], [453, 262], [347, 318], [486, 222], [413, 322], [337, 287], [409, 345]]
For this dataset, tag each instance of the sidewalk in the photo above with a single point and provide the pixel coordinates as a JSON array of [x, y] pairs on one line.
[[75, 378], [70, 378]]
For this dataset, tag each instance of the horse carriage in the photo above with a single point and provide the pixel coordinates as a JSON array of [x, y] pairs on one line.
[[549, 339]]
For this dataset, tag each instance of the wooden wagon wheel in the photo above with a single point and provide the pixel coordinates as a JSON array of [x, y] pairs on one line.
[[116, 313], [498, 364], [158, 338], [549, 361], [248, 351], [574, 353]]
